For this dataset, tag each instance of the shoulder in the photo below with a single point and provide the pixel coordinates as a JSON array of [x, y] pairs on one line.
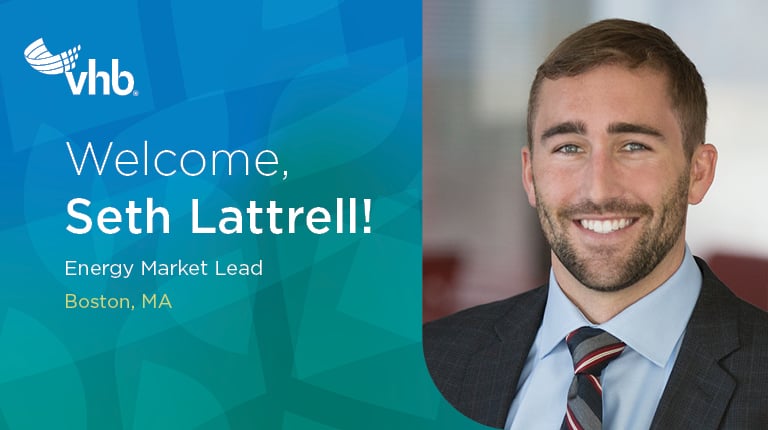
[[472, 328], [748, 362], [753, 342], [732, 320], [488, 331], [717, 301]]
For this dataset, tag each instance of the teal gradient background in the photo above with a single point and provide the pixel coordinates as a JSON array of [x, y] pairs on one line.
[[329, 337]]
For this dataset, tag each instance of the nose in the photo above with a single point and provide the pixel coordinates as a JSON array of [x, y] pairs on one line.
[[602, 176]]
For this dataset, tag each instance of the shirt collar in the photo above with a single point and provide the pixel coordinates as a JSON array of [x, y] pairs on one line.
[[664, 314]]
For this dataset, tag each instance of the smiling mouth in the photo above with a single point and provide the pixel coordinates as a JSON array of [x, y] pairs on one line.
[[606, 226]]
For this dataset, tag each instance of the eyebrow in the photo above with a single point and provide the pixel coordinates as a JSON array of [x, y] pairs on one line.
[[567, 127], [625, 127], [578, 127]]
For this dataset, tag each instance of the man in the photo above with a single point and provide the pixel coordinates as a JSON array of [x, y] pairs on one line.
[[632, 331]]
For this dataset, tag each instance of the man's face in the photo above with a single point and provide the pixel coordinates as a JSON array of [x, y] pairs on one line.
[[608, 175]]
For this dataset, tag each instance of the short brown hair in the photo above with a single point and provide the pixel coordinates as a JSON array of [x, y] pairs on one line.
[[631, 44]]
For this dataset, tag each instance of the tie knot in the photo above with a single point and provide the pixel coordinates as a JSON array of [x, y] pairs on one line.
[[592, 349]]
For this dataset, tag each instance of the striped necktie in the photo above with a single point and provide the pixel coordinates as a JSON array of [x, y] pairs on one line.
[[591, 349]]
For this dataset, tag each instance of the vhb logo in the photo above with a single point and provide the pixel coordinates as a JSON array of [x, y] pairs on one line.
[[43, 61]]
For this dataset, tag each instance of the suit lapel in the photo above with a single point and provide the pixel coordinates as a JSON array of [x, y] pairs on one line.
[[699, 389], [493, 372]]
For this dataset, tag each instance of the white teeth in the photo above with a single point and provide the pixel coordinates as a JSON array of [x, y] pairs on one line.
[[605, 226]]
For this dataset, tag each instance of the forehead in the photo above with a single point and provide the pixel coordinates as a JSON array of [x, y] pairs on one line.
[[605, 95]]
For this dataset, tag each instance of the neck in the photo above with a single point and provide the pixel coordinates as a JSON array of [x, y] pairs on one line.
[[601, 306]]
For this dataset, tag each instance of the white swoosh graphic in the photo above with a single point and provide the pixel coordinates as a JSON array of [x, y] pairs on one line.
[[43, 61]]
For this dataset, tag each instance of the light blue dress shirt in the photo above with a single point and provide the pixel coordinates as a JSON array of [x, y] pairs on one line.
[[652, 328]]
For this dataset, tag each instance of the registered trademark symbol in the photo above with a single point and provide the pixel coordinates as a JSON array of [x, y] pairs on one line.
[[135, 93]]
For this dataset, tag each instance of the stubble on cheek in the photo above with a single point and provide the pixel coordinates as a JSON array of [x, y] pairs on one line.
[[607, 269]]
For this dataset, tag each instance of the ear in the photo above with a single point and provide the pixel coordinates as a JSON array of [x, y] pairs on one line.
[[703, 165], [527, 158]]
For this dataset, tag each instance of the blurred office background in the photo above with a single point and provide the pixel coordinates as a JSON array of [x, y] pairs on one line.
[[482, 240]]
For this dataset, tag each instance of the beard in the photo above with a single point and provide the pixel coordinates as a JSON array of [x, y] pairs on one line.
[[608, 268]]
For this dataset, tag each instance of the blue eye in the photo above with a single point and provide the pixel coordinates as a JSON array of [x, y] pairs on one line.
[[569, 149], [634, 146]]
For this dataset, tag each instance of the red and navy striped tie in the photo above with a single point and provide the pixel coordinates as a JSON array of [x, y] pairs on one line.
[[591, 349]]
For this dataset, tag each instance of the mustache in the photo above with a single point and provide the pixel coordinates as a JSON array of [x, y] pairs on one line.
[[588, 207]]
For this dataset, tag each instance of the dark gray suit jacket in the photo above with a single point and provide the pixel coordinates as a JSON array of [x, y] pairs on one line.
[[719, 381]]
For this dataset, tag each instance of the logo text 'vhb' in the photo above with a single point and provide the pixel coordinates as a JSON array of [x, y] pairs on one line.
[[119, 82]]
